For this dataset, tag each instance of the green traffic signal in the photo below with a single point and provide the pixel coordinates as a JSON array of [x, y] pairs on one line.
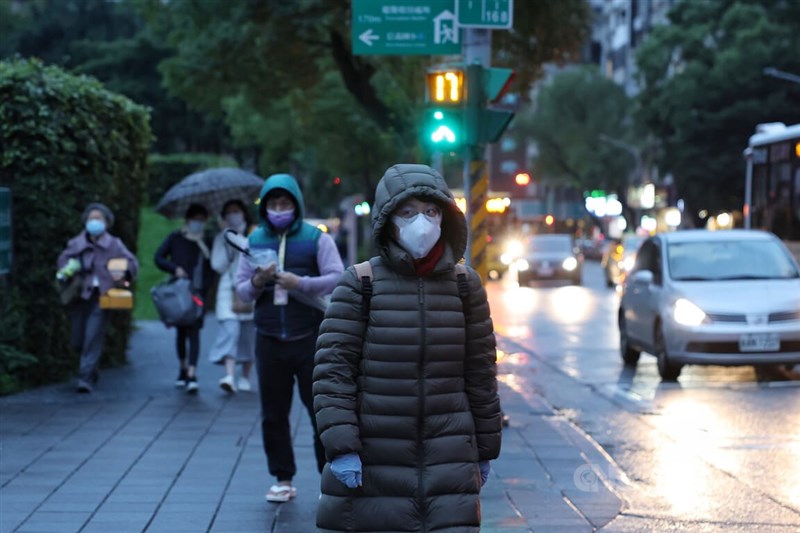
[[442, 129]]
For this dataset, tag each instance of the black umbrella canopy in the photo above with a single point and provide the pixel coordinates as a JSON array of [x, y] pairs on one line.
[[210, 188]]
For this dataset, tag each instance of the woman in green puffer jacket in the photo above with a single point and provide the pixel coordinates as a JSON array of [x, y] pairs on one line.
[[406, 401]]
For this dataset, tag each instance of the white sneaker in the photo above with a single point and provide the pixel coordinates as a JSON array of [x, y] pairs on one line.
[[244, 385], [281, 493], [191, 385], [227, 385]]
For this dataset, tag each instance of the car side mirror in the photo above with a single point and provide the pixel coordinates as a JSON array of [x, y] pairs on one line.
[[642, 277]]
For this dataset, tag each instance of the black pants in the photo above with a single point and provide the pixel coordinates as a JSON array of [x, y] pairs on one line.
[[279, 364], [188, 335]]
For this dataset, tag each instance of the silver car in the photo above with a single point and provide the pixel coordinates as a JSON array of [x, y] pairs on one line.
[[711, 298], [549, 256]]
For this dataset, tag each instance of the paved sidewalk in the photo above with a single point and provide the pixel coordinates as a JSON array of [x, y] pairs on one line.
[[139, 455]]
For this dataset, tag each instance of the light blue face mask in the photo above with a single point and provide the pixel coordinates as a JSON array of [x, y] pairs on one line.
[[95, 227], [196, 226]]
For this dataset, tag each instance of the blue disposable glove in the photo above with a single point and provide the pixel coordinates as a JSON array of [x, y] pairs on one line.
[[347, 469], [485, 469]]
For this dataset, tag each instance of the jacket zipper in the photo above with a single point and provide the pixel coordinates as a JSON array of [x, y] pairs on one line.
[[421, 414]]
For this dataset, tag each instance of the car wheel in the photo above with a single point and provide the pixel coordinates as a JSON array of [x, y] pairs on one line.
[[629, 355], [668, 370]]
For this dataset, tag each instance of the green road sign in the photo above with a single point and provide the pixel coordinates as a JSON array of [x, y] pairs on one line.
[[492, 14], [405, 27], [5, 230]]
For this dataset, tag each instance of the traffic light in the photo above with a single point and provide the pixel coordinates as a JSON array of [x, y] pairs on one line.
[[443, 125], [457, 109], [446, 87]]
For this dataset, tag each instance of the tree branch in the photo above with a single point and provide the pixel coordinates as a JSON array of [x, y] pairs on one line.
[[356, 75]]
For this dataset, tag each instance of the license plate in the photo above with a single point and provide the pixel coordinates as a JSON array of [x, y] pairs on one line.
[[760, 342]]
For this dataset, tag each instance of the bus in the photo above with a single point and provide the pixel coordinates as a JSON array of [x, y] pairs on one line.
[[772, 186]]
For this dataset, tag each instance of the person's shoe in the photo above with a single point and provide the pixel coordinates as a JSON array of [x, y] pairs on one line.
[[182, 379], [191, 385], [244, 385], [227, 385], [83, 387], [281, 493]]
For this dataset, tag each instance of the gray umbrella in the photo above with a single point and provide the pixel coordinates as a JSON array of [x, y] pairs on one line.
[[210, 188]]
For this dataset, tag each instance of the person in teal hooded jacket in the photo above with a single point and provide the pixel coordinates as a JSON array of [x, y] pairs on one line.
[[287, 321]]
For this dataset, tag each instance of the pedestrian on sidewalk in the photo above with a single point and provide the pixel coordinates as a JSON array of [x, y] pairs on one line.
[[236, 337], [90, 252], [405, 388], [185, 254], [287, 321]]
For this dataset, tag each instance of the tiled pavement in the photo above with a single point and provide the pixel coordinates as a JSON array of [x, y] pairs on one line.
[[139, 455]]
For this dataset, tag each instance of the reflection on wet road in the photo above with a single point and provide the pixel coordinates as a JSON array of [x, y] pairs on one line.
[[720, 448]]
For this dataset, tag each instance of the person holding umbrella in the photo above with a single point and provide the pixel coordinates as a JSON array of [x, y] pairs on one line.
[[185, 253], [308, 266]]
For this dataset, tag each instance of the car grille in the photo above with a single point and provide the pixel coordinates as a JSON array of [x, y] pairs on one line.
[[786, 316], [722, 317], [733, 347]]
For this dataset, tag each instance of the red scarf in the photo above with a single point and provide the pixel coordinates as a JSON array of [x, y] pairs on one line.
[[425, 265]]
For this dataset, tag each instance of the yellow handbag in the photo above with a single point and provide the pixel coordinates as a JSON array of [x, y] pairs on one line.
[[119, 299]]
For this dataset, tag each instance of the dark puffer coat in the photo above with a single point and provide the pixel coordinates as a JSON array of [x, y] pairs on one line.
[[413, 392]]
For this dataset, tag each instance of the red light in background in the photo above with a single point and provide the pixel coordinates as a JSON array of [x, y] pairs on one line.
[[522, 179], [337, 180]]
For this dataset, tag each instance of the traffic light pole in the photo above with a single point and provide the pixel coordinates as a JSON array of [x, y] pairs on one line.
[[477, 51]]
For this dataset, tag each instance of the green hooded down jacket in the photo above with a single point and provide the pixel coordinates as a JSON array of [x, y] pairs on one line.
[[413, 391]]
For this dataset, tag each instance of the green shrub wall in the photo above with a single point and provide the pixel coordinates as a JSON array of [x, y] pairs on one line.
[[65, 141]]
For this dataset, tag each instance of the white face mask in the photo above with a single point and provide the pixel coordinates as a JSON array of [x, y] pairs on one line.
[[418, 234]]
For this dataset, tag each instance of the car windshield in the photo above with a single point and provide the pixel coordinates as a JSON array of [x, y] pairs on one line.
[[549, 244], [728, 260]]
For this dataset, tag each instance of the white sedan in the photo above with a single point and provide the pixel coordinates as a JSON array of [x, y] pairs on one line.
[[711, 298]]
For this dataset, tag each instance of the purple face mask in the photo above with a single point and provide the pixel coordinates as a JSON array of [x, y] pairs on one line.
[[280, 219]]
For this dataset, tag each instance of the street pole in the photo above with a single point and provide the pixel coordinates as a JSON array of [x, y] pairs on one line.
[[476, 49], [748, 187]]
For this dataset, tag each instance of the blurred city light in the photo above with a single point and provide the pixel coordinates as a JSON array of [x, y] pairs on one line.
[[522, 179], [549, 220], [672, 217], [723, 220], [648, 198], [649, 224], [362, 209]]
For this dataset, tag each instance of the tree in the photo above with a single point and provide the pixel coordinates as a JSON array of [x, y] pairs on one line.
[[109, 41], [578, 122], [704, 90], [261, 52]]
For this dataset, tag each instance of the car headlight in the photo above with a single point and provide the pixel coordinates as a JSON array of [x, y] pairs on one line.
[[569, 264], [686, 313], [514, 248], [522, 264]]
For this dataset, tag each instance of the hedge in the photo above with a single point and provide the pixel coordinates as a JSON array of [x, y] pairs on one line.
[[66, 141], [167, 170]]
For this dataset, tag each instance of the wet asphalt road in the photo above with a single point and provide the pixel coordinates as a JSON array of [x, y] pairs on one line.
[[717, 451]]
